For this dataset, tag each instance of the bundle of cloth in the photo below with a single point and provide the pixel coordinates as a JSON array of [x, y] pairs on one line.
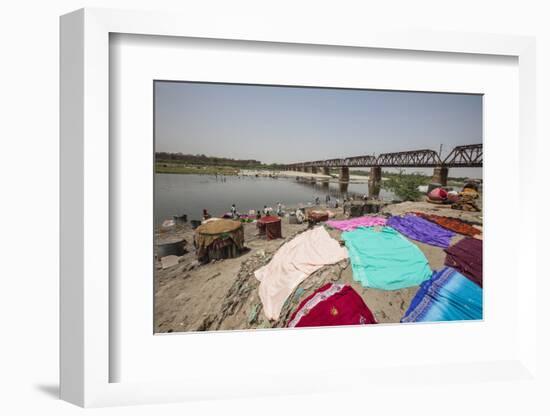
[[420, 229], [330, 305], [437, 195], [382, 258], [467, 200], [219, 231], [294, 262], [466, 256], [446, 296], [316, 216], [353, 223]]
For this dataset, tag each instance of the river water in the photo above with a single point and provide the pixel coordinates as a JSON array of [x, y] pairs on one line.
[[177, 194]]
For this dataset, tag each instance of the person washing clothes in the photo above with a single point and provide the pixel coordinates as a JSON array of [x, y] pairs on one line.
[[279, 209], [233, 211]]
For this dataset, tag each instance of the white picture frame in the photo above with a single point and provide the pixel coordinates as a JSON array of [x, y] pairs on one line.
[[86, 353]]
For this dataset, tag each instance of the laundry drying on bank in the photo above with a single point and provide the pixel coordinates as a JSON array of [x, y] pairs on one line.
[[330, 305], [382, 258], [446, 296], [420, 229], [352, 224], [453, 224], [292, 263], [466, 256]]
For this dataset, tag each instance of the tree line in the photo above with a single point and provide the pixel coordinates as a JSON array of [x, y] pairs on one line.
[[202, 159]]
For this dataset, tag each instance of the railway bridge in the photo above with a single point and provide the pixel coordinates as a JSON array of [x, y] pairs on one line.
[[460, 157]]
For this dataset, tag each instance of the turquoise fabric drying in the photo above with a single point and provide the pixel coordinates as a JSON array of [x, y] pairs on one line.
[[384, 259]]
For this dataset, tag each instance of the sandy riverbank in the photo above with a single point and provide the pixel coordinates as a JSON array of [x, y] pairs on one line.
[[223, 295]]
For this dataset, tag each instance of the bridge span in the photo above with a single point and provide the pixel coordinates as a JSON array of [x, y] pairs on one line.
[[460, 157]]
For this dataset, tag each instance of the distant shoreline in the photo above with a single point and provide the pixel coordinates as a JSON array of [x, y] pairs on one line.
[[181, 169]]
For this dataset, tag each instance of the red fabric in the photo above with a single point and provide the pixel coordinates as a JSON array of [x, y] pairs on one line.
[[270, 226], [273, 230], [438, 194], [466, 256], [269, 219], [345, 307]]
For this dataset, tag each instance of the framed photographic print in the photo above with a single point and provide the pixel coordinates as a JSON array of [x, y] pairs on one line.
[[287, 207], [246, 237]]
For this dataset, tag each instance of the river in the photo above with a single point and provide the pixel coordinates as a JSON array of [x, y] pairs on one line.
[[177, 194]]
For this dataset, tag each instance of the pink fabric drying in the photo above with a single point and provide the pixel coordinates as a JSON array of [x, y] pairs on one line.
[[352, 224]]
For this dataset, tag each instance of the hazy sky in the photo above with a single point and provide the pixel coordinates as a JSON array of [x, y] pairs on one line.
[[293, 124]]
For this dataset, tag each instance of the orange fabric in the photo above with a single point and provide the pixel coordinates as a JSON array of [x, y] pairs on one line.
[[452, 224]]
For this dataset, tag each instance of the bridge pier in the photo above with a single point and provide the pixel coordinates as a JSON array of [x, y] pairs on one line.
[[344, 174], [343, 188], [375, 180], [313, 169], [440, 175], [326, 171]]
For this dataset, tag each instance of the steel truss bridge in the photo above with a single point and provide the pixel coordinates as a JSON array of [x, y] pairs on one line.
[[461, 156]]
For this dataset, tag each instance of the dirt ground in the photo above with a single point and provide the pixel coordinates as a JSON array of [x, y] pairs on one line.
[[223, 294]]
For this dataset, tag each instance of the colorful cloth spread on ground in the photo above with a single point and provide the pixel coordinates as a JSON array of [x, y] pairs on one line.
[[466, 256], [453, 224], [384, 259], [422, 230], [292, 263], [332, 304], [352, 224], [447, 296]]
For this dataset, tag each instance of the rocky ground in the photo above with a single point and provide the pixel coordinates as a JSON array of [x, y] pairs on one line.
[[223, 295]]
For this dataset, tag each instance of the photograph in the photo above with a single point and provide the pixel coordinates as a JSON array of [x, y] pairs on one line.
[[282, 206]]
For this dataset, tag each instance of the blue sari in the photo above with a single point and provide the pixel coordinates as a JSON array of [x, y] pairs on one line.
[[446, 296]]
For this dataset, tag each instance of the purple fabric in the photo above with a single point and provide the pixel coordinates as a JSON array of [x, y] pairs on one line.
[[422, 230]]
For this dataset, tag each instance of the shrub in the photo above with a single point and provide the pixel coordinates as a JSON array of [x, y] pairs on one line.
[[405, 186]]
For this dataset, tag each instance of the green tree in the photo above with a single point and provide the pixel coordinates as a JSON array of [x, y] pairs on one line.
[[405, 186]]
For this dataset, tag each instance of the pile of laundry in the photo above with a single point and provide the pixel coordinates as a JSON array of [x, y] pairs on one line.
[[382, 256], [442, 196]]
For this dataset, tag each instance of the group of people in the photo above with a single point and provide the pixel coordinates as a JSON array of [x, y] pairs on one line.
[[235, 214], [269, 211], [327, 201]]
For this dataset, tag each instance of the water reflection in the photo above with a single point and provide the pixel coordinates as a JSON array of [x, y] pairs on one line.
[[189, 194]]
